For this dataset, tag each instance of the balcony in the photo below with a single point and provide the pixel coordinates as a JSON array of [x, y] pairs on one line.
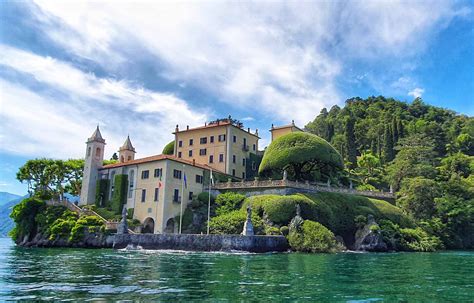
[[245, 148]]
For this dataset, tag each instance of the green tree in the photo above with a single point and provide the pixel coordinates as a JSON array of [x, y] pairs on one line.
[[169, 149], [301, 154], [351, 151], [388, 152], [417, 197], [114, 157]]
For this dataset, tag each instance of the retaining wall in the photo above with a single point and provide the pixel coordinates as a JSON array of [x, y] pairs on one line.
[[258, 244]]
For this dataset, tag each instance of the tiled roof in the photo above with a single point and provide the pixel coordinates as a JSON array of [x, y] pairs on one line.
[[159, 158], [221, 123], [286, 126]]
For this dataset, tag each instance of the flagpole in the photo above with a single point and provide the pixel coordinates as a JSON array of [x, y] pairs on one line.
[[182, 200], [209, 203]]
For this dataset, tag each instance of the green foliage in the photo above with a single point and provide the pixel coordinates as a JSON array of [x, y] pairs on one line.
[[61, 228], [23, 214], [314, 237], [417, 197], [302, 154], [351, 149], [360, 221], [107, 214], [408, 239], [284, 231], [232, 223], [168, 149], [91, 224], [228, 202], [101, 192], [119, 197]]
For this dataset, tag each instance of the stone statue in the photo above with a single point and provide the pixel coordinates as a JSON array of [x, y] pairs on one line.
[[297, 221], [248, 226], [122, 227], [285, 174]]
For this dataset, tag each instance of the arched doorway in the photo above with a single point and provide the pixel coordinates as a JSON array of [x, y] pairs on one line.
[[169, 226], [148, 226]]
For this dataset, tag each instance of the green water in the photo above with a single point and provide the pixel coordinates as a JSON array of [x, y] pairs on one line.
[[80, 274]]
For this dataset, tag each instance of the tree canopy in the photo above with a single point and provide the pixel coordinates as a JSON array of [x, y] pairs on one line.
[[169, 149], [303, 155]]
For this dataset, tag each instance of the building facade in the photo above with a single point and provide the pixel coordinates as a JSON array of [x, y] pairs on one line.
[[278, 131]]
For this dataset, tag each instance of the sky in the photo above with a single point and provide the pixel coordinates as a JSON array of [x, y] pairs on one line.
[[140, 68]]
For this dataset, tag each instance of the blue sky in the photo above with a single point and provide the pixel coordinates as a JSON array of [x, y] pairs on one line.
[[142, 68]]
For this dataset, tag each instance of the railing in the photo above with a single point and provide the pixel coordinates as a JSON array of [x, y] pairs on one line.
[[323, 187], [245, 147]]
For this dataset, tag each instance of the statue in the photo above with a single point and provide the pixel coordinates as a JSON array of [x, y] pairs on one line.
[[297, 221], [122, 227], [248, 226], [285, 174]]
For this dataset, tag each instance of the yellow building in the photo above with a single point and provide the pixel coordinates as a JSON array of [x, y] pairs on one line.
[[222, 144], [278, 131]]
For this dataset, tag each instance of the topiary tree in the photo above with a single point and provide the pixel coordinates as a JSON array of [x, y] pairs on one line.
[[303, 155], [169, 149], [314, 237]]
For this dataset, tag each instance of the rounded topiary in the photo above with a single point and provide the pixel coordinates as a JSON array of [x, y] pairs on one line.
[[301, 154], [169, 149], [314, 237]]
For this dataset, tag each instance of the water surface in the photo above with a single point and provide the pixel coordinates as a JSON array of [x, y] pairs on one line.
[[105, 274]]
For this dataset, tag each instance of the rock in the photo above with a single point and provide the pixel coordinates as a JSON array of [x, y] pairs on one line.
[[369, 237]]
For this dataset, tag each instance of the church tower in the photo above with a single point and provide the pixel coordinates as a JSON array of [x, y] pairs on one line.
[[93, 161], [127, 151]]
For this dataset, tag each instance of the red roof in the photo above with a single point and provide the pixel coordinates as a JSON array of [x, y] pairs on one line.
[[159, 158]]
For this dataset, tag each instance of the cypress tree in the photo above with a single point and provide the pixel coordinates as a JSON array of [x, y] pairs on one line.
[[400, 129], [388, 152], [350, 142], [395, 130]]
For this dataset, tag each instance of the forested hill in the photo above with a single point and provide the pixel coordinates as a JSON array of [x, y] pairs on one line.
[[377, 124], [425, 153]]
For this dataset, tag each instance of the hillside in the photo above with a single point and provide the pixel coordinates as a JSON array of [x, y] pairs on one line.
[[6, 223], [7, 197]]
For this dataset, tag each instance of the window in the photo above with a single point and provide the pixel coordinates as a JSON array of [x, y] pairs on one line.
[[158, 172], [254, 166], [131, 176], [145, 174], [190, 195], [129, 158], [234, 139], [202, 152], [211, 159], [211, 138], [243, 162], [221, 157], [157, 193], [203, 140], [143, 195], [180, 143], [233, 158], [89, 151], [177, 174], [179, 155], [176, 195], [221, 138], [190, 153], [97, 152], [199, 179], [243, 175], [254, 147], [233, 172], [245, 141], [191, 142]]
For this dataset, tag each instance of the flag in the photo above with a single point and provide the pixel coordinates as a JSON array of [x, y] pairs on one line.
[[185, 183]]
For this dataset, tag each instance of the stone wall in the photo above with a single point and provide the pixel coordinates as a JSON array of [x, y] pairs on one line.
[[258, 244]]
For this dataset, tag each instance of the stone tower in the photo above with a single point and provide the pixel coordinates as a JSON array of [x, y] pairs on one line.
[[127, 151], [93, 161]]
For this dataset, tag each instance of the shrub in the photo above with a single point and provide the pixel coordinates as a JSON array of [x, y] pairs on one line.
[[284, 230], [61, 228], [232, 223], [315, 237], [228, 202], [272, 230], [86, 223], [360, 221]]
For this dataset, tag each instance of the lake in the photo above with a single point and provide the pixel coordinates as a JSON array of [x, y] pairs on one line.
[[105, 274]]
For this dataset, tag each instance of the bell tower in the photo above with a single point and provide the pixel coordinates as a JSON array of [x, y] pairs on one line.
[[93, 161], [127, 151]]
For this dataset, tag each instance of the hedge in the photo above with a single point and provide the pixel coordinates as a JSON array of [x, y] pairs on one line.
[[119, 197], [232, 223], [102, 189], [314, 237], [168, 149]]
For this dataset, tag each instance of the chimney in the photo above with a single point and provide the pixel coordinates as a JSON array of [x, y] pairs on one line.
[[248, 129], [205, 123], [256, 131], [187, 127], [177, 128], [293, 122], [272, 126]]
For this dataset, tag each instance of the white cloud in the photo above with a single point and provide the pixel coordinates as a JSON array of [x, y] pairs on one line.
[[56, 122], [416, 92]]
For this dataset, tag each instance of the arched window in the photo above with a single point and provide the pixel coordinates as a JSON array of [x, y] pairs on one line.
[[131, 176], [97, 152], [121, 159], [129, 158]]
